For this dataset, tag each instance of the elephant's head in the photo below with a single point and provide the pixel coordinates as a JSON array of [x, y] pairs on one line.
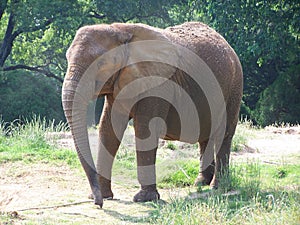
[[101, 61]]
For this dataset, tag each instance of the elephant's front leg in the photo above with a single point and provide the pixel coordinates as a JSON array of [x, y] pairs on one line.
[[110, 136], [146, 176], [149, 124]]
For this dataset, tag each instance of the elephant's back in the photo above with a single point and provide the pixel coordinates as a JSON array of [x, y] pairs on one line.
[[195, 31], [211, 47], [193, 34], [203, 40]]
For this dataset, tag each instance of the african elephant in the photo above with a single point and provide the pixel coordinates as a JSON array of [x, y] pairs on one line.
[[179, 83]]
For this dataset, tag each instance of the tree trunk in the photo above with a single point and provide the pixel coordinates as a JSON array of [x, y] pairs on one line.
[[8, 40]]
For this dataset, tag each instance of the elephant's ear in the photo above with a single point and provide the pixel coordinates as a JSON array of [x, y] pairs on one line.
[[151, 60]]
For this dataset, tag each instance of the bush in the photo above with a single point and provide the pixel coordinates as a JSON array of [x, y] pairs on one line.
[[23, 94], [280, 102]]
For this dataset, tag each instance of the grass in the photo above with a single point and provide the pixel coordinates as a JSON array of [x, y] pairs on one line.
[[261, 209], [177, 173], [171, 145], [28, 142], [256, 201], [244, 132], [262, 193], [125, 164]]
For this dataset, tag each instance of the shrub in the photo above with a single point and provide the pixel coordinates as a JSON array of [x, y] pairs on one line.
[[280, 101], [25, 94]]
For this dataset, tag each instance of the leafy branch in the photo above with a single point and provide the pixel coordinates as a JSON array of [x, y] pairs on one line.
[[38, 69]]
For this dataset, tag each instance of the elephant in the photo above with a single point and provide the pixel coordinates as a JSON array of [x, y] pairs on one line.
[[180, 83]]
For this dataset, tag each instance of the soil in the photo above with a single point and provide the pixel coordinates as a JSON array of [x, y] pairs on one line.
[[273, 146], [42, 193]]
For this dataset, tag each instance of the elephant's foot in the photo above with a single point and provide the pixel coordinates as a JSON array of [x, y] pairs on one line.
[[105, 186], [97, 196], [146, 194], [222, 178], [214, 183], [204, 178]]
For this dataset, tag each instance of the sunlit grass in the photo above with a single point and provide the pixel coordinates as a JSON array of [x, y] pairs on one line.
[[171, 145], [255, 200], [261, 209], [261, 193], [27, 142], [244, 132], [177, 173]]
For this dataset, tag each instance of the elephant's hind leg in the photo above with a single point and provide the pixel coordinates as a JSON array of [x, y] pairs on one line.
[[222, 163], [222, 155], [205, 174]]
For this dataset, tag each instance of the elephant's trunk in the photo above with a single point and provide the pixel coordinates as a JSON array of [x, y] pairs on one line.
[[76, 93]]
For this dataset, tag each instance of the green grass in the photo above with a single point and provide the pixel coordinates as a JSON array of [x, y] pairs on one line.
[[171, 145], [125, 165], [257, 200], [262, 193], [177, 173], [261, 209], [27, 142], [244, 131]]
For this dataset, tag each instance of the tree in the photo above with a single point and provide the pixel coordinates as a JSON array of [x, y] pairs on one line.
[[265, 34], [154, 12], [35, 34], [280, 102], [23, 95]]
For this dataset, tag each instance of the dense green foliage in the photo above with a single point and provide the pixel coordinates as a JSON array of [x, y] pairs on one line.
[[280, 101], [24, 93], [34, 36]]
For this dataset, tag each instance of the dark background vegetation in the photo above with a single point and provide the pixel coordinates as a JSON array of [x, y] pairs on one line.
[[35, 34]]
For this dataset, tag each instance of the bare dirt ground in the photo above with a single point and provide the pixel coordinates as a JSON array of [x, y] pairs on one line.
[[272, 145], [49, 194]]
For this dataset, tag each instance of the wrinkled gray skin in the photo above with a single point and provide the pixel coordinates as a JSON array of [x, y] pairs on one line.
[[91, 42]]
